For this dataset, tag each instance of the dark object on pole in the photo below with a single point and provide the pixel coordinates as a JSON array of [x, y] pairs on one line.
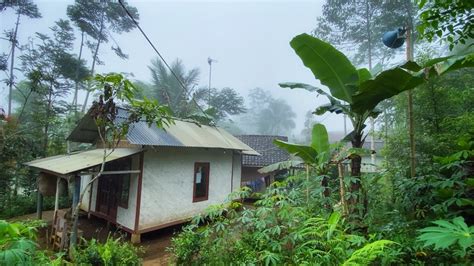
[[394, 39]]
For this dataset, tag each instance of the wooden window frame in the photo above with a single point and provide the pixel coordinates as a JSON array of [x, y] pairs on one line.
[[119, 201], [205, 166]]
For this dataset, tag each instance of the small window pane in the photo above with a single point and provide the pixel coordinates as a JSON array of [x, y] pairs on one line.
[[201, 181]]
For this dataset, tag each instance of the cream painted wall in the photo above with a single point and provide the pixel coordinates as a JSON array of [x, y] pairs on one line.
[[167, 188], [85, 200]]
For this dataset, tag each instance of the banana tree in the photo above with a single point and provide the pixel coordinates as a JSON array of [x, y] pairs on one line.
[[316, 155], [355, 92]]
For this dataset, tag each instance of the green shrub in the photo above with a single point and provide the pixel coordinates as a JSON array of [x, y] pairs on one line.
[[112, 252], [18, 246], [282, 228]]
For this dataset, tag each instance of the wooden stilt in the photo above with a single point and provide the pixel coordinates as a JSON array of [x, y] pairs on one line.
[[39, 203], [135, 238], [56, 199]]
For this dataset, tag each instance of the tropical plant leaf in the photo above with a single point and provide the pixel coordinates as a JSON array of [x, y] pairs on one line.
[[307, 153], [446, 234], [328, 64], [364, 74], [279, 166], [386, 85], [320, 142], [368, 253]]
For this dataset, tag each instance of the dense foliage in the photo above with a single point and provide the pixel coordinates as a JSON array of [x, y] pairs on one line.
[[18, 246], [112, 252], [284, 227]]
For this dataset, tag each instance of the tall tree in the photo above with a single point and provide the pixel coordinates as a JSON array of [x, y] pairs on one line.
[[22, 8], [268, 115], [51, 69], [451, 21], [98, 20], [168, 90], [347, 24], [223, 103]]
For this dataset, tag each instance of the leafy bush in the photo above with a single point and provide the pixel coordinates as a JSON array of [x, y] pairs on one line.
[[18, 246], [112, 252], [282, 228], [26, 204]]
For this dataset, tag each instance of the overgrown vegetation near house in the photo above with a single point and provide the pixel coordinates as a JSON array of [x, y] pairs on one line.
[[327, 215]]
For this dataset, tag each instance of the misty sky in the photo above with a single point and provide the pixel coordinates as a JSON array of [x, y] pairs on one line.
[[250, 40]]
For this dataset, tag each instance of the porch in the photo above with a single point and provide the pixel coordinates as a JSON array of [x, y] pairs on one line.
[[113, 197]]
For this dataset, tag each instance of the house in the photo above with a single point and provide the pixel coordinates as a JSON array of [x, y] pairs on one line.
[[155, 178], [367, 165], [269, 154]]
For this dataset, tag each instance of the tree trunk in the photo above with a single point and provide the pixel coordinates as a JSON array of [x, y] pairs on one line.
[[48, 114], [356, 162], [76, 89], [12, 64], [94, 59]]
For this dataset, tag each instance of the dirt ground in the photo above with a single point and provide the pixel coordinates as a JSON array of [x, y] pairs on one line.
[[154, 243]]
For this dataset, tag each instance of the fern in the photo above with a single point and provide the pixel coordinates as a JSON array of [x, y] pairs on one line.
[[368, 253]]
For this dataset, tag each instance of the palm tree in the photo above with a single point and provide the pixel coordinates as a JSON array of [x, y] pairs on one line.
[[168, 90]]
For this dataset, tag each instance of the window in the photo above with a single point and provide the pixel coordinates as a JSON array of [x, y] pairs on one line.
[[121, 182], [201, 182]]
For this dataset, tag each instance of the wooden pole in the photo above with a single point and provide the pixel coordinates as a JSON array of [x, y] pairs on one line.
[[75, 201], [411, 127], [39, 202], [56, 199]]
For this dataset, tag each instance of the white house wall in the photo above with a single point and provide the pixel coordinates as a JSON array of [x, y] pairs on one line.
[[86, 199], [167, 185], [237, 171]]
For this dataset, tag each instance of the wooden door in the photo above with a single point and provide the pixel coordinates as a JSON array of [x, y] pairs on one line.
[[110, 189], [107, 197]]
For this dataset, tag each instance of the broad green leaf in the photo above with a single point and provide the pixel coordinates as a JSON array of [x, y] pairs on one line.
[[320, 142], [386, 85], [333, 221], [412, 66], [328, 64], [297, 85], [307, 153], [279, 166], [364, 74]]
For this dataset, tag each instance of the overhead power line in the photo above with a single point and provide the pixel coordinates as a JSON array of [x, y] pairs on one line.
[[161, 57]]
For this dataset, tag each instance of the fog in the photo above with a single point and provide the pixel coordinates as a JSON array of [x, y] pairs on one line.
[[249, 39]]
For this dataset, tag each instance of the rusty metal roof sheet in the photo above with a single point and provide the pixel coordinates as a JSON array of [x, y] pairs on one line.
[[70, 163]]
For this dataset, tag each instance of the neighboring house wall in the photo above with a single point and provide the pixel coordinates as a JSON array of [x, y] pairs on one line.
[[168, 179], [251, 173], [367, 166]]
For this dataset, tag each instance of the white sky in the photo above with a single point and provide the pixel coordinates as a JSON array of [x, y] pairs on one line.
[[250, 40]]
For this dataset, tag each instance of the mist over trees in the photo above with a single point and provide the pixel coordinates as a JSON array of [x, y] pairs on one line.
[[318, 211]]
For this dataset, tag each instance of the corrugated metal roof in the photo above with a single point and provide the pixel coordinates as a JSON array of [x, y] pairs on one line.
[[70, 163], [179, 134]]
